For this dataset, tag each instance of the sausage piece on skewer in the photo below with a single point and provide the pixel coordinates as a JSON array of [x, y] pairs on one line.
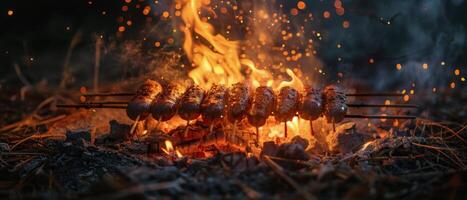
[[311, 108], [140, 105], [213, 104], [261, 108], [238, 102], [335, 107], [164, 106], [190, 105], [288, 103]]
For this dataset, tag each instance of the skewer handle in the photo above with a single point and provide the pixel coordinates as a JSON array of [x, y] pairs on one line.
[[107, 94], [383, 94], [88, 106], [105, 102], [382, 116], [383, 105]]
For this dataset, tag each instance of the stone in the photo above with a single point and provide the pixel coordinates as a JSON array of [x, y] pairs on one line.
[[118, 132], [74, 135], [269, 149], [346, 139]]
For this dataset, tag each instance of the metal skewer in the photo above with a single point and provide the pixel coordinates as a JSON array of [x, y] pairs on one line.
[[383, 105], [285, 129], [234, 128], [211, 127], [361, 105], [185, 134], [89, 106], [382, 94], [351, 94], [133, 127], [333, 126], [257, 136], [382, 116], [108, 94], [104, 102], [311, 128], [158, 123]]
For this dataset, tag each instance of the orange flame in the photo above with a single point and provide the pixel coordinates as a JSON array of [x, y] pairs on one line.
[[295, 82], [170, 150], [293, 128], [216, 59]]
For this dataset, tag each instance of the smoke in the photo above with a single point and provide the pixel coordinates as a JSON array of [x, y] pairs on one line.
[[410, 33]]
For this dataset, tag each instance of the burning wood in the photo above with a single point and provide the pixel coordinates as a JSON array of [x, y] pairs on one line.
[[238, 103]]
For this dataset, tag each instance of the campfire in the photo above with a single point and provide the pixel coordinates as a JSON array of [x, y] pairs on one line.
[[238, 100], [222, 111]]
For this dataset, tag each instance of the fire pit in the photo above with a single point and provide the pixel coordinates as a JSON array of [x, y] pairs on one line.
[[235, 99]]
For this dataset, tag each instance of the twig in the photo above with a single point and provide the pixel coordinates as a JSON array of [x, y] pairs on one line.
[[51, 120], [431, 174], [21, 153], [279, 171], [97, 63], [250, 192], [439, 149], [20, 75], [41, 136], [432, 147], [454, 133], [66, 71], [31, 119], [16, 124], [141, 189], [300, 162]]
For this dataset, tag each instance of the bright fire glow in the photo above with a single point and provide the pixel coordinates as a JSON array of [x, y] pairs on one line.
[[217, 60], [217, 63], [170, 150]]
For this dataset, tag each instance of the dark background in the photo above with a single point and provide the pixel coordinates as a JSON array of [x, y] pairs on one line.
[[38, 30]]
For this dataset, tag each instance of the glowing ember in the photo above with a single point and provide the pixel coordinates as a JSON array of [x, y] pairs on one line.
[[170, 150], [398, 66]]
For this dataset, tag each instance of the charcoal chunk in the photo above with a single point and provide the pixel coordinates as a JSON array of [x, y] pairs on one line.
[[269, 149], [295, 149], [118, 133], [346, 139], [78, 134]]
